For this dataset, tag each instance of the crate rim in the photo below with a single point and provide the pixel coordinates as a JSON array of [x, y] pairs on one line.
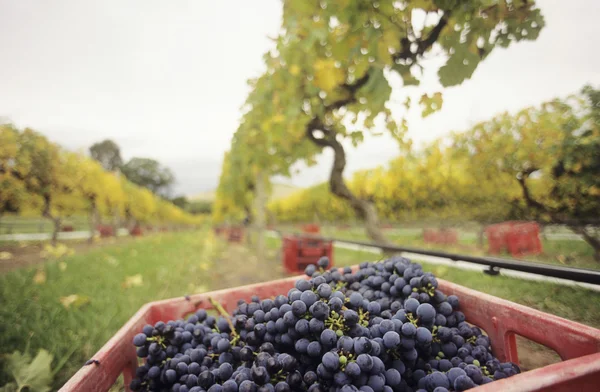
[[532, 380]]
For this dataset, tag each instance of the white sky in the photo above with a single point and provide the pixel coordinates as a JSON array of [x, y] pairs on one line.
[[166, 79]]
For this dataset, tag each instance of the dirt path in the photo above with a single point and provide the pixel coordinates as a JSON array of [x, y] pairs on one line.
[[238, 265]]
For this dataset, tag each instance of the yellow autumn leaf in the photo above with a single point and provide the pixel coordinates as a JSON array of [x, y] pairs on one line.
[[278, 118], [111, 260], [5, 255], [327, 75], [294, 70], [133, 281], [62, 266], [594, 191], [39, 277], [74, 300]]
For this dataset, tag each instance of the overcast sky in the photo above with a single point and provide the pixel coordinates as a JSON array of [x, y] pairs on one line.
[[166, 79]]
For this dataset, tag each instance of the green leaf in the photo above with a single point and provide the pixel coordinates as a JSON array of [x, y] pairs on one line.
[[459, 67], [407, 76], [34, 374], [431, 104]]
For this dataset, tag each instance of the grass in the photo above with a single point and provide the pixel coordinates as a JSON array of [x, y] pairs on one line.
[[573, 303], [170, 265], [175, 264]]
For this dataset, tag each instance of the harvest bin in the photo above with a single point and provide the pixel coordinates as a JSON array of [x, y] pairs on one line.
[[578, 345], [300, 251]]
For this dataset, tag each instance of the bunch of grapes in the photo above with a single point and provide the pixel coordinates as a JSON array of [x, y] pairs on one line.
[[384, 328]]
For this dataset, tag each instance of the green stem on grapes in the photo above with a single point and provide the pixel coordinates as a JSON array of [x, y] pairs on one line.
[[223, 313]]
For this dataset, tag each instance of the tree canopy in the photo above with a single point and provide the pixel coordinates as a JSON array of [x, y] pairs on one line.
[[331, 75], [149, 174], [108, 154]]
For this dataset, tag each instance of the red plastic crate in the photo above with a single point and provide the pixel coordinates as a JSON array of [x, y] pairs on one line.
[[523, 239], [298, 252], [443, 236], [235, 234], [105, 230], [311, 228], [515, 237], [578, 345], [136, 231]]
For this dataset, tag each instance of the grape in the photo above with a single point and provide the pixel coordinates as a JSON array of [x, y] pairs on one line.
[[328, 338], [391, 339], [438, 379], [362, 345], [353, 369], [462, 383], [331, 361], [139, 340], [392, 377], [378, 332], [425, 312], [309, 298], [423, 336], [299, 307], [313, 349], [376, 382], [365, 362]]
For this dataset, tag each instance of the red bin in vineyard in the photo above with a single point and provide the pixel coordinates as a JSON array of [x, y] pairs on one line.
[[516, 238], [311, 228], [577, 345], [235, 234], [105, 230], [136, 231], [524, 239], [298, 252]]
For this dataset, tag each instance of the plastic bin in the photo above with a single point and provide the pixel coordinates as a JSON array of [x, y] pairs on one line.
[[105, 230], [298, 252], [578, 345], [311, 228], [136, 231], [524, 239], [235, 234], [443, 236]]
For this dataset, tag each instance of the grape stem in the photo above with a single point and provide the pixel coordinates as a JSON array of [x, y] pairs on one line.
[[223, 313]]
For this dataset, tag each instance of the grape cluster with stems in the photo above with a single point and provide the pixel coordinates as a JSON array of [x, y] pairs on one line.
[[384, 328]]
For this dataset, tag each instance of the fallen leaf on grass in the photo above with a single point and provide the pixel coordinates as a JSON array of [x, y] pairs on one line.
[[56, 252], [133, 281], [204, 266], [39, 277], [33, 375], [62, 266], [111, 260], [74, 300], [5, 255], [197, 289]]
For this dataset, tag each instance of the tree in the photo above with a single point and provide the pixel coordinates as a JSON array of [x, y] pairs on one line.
[[91, 183], [13, 169], [149, 174], [108, 154], [329, 78], [200, 207], [181, 202], [549, 156]]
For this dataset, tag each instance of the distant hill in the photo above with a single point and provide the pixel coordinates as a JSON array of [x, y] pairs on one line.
[[279, 191]]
